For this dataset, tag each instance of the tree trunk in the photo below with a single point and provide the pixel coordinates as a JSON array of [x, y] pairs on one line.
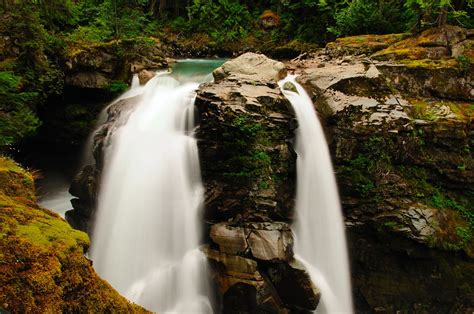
[[162, 7], [443, 17], [152, 7]]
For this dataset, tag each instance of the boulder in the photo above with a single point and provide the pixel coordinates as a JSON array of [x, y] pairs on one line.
[[294, 285], [253, 67], [263, 241], [144, 76]]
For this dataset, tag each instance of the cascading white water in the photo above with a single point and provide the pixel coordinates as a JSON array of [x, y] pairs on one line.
[[146, 236], [320, 242]]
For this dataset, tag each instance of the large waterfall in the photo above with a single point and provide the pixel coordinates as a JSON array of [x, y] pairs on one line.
[[146, 236], [320, 242]]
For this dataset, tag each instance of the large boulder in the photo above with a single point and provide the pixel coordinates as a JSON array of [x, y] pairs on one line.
[[436, 63], [251, 66]]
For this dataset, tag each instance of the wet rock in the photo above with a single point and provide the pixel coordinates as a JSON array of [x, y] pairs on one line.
[[294, 285], [263, 241], [144, 76], [415, 221], [84, 185], [241, 285], [231, 240]]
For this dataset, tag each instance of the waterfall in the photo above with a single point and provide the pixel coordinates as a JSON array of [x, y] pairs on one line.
[[320, 242], [147, 229]]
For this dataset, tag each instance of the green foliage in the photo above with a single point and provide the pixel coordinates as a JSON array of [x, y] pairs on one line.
[[464, 63], [117, 87], [17, 120], [465, 234], [438, 12], [247, 127], [368, 17], [225, 20]]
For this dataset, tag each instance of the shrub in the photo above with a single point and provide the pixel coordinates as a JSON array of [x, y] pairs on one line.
[[368, 17]]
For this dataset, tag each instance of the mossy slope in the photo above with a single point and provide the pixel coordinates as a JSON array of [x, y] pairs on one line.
[[42, 263]]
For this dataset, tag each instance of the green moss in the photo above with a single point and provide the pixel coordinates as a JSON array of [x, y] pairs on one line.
[[430, 63], [431, 110], [247, 126], [43, 268], [365, 43], [117, 87]]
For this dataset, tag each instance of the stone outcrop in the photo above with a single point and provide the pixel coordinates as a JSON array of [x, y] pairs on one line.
[[248, 166], [251, 67], [436, 63], [98, 66], [43, 268]]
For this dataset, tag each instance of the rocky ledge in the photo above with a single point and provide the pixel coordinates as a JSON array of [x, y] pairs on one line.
[[248, 167], [43, 268]]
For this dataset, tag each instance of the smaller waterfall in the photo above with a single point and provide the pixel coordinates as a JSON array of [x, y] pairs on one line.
[[135, 82], [320, 242]]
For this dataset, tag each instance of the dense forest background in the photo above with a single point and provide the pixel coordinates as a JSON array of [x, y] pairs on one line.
[[35, 34]]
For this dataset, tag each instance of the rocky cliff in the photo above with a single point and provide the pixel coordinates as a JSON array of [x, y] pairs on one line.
[[400, 130], [43, 268], [401, 136]]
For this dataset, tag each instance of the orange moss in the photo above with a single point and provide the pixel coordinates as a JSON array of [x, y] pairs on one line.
[[270, 18]]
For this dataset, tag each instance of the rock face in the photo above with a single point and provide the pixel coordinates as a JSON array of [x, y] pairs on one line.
[[248, 167], [98, 66], [405, 173], [43, 268]]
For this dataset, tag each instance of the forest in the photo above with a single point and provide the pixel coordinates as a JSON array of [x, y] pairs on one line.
[[44, 30]]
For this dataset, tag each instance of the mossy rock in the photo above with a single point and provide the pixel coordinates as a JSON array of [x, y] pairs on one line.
[[434, 48], [42, 263], [433, 110], [362, 44]]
